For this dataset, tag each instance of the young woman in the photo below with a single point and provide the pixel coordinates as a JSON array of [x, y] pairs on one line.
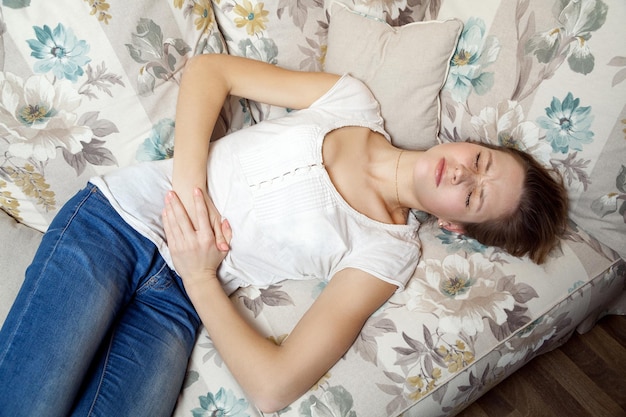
[[108, 313]]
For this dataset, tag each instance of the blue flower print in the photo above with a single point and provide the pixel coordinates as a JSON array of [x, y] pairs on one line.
[[567, 124], [223, 404], [59, 51], [474, 52], [160, 144], [334, 401], [456, 242]]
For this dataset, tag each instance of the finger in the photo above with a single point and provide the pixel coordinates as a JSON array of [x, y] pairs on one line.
[[215, 220], [173, 235], [177, 215], [169, 235], [202, 211], [220, 240], [227, 232]]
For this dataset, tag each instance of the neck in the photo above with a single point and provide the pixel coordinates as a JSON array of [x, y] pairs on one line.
[[391, 173], [401, 180]]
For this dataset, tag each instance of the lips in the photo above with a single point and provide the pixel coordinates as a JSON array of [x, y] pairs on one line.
[[439, 171]]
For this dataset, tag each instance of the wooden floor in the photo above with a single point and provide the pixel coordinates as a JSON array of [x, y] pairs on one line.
[[586, 377]]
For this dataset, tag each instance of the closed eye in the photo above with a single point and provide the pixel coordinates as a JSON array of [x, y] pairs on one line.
[[469, 196]]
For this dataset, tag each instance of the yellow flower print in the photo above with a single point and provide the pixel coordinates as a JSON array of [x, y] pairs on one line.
[[322, 57], [33, 185], [104, 17], [179, 3], [252, 17], [101, 8], [278, 340], [8, 203], [423, 384], [202, 9]]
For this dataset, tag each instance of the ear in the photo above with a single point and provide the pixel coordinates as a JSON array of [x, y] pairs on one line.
[[451, 227]]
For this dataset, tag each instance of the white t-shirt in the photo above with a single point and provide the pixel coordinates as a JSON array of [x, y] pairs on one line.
[[269, 181]]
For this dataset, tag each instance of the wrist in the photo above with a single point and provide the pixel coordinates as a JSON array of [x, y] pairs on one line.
[[187, 183], [198, 286]]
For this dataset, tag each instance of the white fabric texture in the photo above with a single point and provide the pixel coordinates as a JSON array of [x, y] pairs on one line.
[[288, 220]]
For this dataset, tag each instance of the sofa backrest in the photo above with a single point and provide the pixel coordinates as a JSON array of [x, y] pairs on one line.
[[87, 87]]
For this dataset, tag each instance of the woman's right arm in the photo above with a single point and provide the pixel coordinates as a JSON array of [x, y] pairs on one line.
[[272, 375], [206, 83]]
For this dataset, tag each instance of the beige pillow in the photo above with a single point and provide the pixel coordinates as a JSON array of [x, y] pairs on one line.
[[405, 67]]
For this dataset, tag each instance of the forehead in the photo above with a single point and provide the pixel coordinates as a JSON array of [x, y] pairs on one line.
[[504, 185]]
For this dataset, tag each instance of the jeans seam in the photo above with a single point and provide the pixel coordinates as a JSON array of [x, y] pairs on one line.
[[102, 376]]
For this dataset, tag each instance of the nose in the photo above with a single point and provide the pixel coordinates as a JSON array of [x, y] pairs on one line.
[[461, 175]]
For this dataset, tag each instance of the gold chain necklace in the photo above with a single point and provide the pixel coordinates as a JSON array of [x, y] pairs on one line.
[[397, 166]]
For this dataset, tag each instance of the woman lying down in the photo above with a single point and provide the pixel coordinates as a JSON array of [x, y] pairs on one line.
[[132, 265]]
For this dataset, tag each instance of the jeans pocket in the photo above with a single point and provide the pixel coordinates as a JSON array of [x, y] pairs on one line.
[[161, 280]]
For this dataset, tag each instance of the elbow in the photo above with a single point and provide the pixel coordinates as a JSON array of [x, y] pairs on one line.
[[201, 68], [274, 395], [270, 407], [271, 400], [201, 64]]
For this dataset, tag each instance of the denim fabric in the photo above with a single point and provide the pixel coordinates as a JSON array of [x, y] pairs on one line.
[[101, 326]]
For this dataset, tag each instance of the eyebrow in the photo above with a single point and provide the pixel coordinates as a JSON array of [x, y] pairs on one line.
[[481, 199]]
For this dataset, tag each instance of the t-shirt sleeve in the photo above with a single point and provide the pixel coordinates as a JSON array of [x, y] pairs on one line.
[[392, 266], [349, 98], [389, 255]]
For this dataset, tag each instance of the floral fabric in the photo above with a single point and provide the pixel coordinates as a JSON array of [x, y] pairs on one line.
[[91, 85], [88, 88]]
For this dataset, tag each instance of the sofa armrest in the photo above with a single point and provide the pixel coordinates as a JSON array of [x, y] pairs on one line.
[[19, 243]]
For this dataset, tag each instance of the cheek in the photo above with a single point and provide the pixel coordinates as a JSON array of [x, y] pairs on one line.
[[448, 204]]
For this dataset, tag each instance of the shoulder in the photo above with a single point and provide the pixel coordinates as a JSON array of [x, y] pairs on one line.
[[366, 293], [388, 252], [348, 91]]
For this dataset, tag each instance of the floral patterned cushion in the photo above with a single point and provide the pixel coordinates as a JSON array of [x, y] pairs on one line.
[[558, 104], [87, 89], [405, 67]]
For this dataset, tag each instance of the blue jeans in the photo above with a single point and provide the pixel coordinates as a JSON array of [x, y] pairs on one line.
[[101, 326]]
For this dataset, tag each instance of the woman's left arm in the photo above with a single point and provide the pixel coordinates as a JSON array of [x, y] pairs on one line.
[[273, 376]]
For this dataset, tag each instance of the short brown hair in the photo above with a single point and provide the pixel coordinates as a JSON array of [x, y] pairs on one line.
[[535, 227]]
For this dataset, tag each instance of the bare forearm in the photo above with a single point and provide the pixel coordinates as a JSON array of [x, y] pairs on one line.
[[201, 97], [253, 360], [274, 376], [206, 83]]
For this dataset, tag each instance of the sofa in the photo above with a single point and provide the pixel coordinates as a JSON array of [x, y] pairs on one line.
[[89, 86]]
